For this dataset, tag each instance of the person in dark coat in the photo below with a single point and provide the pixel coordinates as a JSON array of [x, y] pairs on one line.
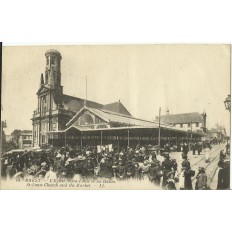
[[201, 177], [220, 183], [185, 149], [120, 170], [187, 173], [222, 157], [167, 148], [178, 147], [129, 170], [199, 148], [154, 173], [144, 170], [88, 168], [4, 163], [137, 171], [20, 163], [194, 148], [228, 148], [106, 169], [224, 176], [167, 166]]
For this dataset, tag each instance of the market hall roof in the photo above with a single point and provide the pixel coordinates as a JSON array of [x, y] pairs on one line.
[[182, 118], [110, 116], [135, 125]]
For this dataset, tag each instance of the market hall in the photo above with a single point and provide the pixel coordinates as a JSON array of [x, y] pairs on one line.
[[93, 127]]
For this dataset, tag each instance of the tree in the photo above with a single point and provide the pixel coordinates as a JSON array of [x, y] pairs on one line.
[[15, 137]]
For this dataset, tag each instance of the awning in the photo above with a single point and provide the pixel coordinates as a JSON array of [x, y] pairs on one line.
[[140, 131]]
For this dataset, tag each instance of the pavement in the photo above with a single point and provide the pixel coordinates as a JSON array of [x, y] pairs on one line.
[[197, 161]]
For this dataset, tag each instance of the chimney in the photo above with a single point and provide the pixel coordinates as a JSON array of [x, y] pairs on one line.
[[167, 111]]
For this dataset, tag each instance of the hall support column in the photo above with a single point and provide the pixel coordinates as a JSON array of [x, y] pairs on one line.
[[81, 140], [128, 138], [101, 138], [159, 137]]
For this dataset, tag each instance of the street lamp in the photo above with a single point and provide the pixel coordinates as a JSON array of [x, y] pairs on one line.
[[227, 103]]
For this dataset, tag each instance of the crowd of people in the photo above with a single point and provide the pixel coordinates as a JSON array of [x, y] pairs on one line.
[[138, 163]]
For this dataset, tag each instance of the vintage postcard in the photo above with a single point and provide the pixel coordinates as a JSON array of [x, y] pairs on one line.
[[116, 117]]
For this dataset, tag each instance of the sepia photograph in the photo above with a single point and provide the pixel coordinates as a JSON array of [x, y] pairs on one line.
[[102, 117]]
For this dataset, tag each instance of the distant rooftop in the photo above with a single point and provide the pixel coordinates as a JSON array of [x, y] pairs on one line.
[[182, 118]]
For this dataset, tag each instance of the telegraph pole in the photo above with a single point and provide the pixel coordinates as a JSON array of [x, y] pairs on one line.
[[191, 130], [159, 127], [86, 88]]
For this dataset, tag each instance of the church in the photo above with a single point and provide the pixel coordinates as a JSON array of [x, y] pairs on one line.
[[55, 108], [60, 119]]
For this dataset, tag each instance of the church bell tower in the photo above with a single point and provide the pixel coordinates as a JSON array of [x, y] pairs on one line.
[[49, 95], [52, 71]]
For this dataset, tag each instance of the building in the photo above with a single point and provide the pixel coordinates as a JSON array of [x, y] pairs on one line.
[[217, 134], [25, 139], [91, 126], [55, 108], [186, 121], [60, 119]]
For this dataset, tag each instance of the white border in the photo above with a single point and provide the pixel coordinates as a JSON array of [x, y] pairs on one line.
[[115, 22]]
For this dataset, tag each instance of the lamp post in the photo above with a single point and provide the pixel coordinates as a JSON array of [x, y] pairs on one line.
[[227, 103]]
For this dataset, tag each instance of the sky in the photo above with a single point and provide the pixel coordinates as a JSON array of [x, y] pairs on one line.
[[182, 78]]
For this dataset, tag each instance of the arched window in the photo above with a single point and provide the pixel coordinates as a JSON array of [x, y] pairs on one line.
[[58, 79], [44, 105], [52, 60], [85, 119], [46, 78]]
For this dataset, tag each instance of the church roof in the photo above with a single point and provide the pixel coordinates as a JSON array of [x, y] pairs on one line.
[[75, 104], [182, 118], [116, 107]]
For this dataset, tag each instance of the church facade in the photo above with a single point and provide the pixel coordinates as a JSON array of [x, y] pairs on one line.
[[55, 109]]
